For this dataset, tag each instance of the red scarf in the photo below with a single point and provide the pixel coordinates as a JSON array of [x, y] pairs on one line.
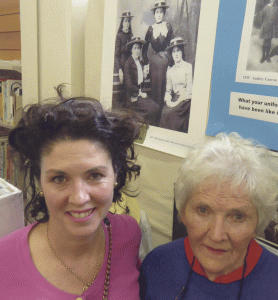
[[254, 253]]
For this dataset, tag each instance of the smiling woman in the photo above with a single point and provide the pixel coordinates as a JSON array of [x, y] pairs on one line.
[[226, 191], [77, 179], [77, 158]]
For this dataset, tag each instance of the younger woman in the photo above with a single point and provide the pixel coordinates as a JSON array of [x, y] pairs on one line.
[[134, 81], [157, 39], [124, 35], [175, 114], [77, 158]]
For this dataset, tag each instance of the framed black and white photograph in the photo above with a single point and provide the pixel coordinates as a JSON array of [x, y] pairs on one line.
[[155, 52], [153, 60]]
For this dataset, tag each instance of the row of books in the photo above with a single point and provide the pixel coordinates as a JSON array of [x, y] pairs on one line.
[[8, 170], [10, 100]]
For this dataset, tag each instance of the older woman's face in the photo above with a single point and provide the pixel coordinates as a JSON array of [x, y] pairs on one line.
[[220, 226], [159, 15], [77, 178]]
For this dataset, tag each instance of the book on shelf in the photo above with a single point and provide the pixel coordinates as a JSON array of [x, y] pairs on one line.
[[1, 104], [11, 208], [8, 170], [10, 100]]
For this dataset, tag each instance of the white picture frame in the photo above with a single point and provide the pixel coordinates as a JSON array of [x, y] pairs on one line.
[[160, 139]]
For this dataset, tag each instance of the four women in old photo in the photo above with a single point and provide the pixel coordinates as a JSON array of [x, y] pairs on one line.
[[166, 84]]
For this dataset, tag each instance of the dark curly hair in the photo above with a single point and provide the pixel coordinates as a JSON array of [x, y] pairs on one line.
[[43, 125]]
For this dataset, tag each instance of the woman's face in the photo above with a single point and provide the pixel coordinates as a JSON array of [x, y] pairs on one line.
[[220, 226], [177, 54], [126, 24], [136, 50], [159, 15], [77, 178]]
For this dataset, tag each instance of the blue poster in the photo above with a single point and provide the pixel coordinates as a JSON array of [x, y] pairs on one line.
[[244, 85]]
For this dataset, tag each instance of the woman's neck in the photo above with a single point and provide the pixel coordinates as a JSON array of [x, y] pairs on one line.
[[135, 58], [70, 246], [178, 63]]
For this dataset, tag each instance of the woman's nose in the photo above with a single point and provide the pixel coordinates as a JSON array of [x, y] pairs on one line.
[[79, 193], [217, 229]]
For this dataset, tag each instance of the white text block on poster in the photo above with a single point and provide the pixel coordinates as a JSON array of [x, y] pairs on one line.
[[255, 107]]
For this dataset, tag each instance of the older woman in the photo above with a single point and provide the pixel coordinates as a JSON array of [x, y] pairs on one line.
[[226, 190], [77, 158], [176, 111]]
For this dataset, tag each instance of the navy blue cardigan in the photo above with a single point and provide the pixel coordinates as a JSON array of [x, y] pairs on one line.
[[165, 271]]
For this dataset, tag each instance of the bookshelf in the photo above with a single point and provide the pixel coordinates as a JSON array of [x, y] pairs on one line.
[[11, 197], [5, 129], [10, 107]]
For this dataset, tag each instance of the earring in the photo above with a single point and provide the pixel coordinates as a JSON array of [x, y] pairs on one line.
[[41, 193], [115, 184]]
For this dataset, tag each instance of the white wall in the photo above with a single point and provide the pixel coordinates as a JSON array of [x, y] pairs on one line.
[[93, 47], [156, 185], [29, 50], [53, 47]]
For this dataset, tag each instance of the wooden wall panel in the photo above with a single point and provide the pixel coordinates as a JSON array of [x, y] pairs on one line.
[[10, 23], [10, 41], [9, 7], [10, 54]]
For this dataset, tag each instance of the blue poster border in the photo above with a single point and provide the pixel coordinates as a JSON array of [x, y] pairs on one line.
[[227, 43]]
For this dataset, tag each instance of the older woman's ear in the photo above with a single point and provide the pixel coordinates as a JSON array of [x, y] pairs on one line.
[[182, 216]]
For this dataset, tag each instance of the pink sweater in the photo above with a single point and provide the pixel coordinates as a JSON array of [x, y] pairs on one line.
[[19, 278]]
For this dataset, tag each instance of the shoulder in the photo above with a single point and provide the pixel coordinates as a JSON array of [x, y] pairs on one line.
[[14, 237], [270, 257], [187, 65], [13, 246], [171, 69], [168, 25], [262, 282], [166, 254], [163, 269], [129, 62], [150, 29], [266, 268], [124, 227], [120, 35]]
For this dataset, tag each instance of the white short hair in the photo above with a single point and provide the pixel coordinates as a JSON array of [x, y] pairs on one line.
[[241, 163]]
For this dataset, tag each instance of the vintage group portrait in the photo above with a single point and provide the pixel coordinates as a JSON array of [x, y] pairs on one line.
[[154, 60]]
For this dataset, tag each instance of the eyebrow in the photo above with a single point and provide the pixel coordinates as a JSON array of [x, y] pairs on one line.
[[243, 209], [240, 210], [88, 171]]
